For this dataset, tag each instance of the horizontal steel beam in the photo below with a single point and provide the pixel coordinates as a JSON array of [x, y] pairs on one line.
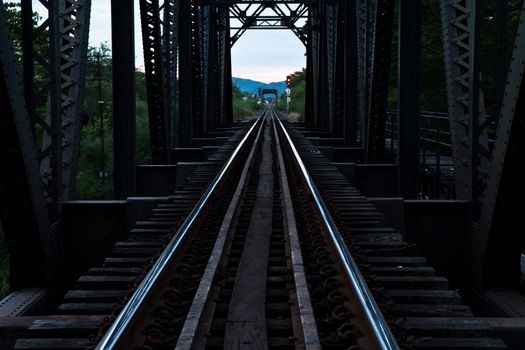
[[270, 2]]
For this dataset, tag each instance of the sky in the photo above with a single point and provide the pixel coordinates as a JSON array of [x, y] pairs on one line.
[[262, 55]]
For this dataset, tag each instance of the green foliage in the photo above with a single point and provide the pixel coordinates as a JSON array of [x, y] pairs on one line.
[[433, 84], [91, 182], [143, 146], [96, 137], [12, 12], [298, 93], [96, 142], [244, 104], [14, 19]]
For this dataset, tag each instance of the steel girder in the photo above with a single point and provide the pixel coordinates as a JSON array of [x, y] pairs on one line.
[[312, 68], [23, 209], [170, 40], [323, 92], [190, 75], [362, 74], [486, 176], [124, 107], [268, 2], [225, 67], [366, 21], [196, 71], [68, 28], [223, 44], [499, 242], [375, 140], [308, 79], [267, 15], [329, 75], [185, 73], [465, 105], [351, 67], [211, 67], [155, 79], [339, 71], [204, 19], [409, 61], [160, 39]]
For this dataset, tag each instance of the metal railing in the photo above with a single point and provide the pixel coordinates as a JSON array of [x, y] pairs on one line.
[[127, 316], [435, 152], [434, 133], [379, 326]]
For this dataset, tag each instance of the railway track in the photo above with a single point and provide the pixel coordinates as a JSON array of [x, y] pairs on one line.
[[279, 251]]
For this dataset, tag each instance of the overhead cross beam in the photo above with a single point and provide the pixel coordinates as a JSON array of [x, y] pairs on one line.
[[268, 15]]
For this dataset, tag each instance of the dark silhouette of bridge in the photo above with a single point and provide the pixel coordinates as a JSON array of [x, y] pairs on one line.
[[452, 181]]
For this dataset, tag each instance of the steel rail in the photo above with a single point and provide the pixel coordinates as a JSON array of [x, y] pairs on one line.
[[304, 304], [195, 318], [377, 323], [126, 317]]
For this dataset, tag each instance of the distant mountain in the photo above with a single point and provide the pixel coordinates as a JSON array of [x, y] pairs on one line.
[[252, 86]]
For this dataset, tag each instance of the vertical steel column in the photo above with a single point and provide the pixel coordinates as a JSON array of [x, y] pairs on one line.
[[155, 78], [323, 111], [351, 66], [211, 99], [500, 240], [185, 73], [339, 71], [170, 43], [375, 150], [474, 105], [469, 123], [196, 71], [309, 109], [330, 56], [66, 30], [409, 57], [75, 22], [124, 109], [502, 14], [23, 209], [222, 44], [28, 58], [228, 85], [51, 165], [456, 56], [362, 49], [313, 39]]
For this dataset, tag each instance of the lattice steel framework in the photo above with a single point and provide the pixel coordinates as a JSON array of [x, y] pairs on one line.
[[187, 49], [381, 58], [196, 71], [155, 78], [66, 30], [479, 167], [499, 242], [23, 210], [170, 40], [267, 15]]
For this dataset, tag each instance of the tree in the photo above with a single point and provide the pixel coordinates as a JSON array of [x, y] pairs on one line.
[[14, 19], [298, 89]]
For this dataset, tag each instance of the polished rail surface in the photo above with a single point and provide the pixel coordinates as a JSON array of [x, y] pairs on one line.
[[127, 316], [383, 335]]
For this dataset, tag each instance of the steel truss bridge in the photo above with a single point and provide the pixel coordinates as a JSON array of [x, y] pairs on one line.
[[349, 48]]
